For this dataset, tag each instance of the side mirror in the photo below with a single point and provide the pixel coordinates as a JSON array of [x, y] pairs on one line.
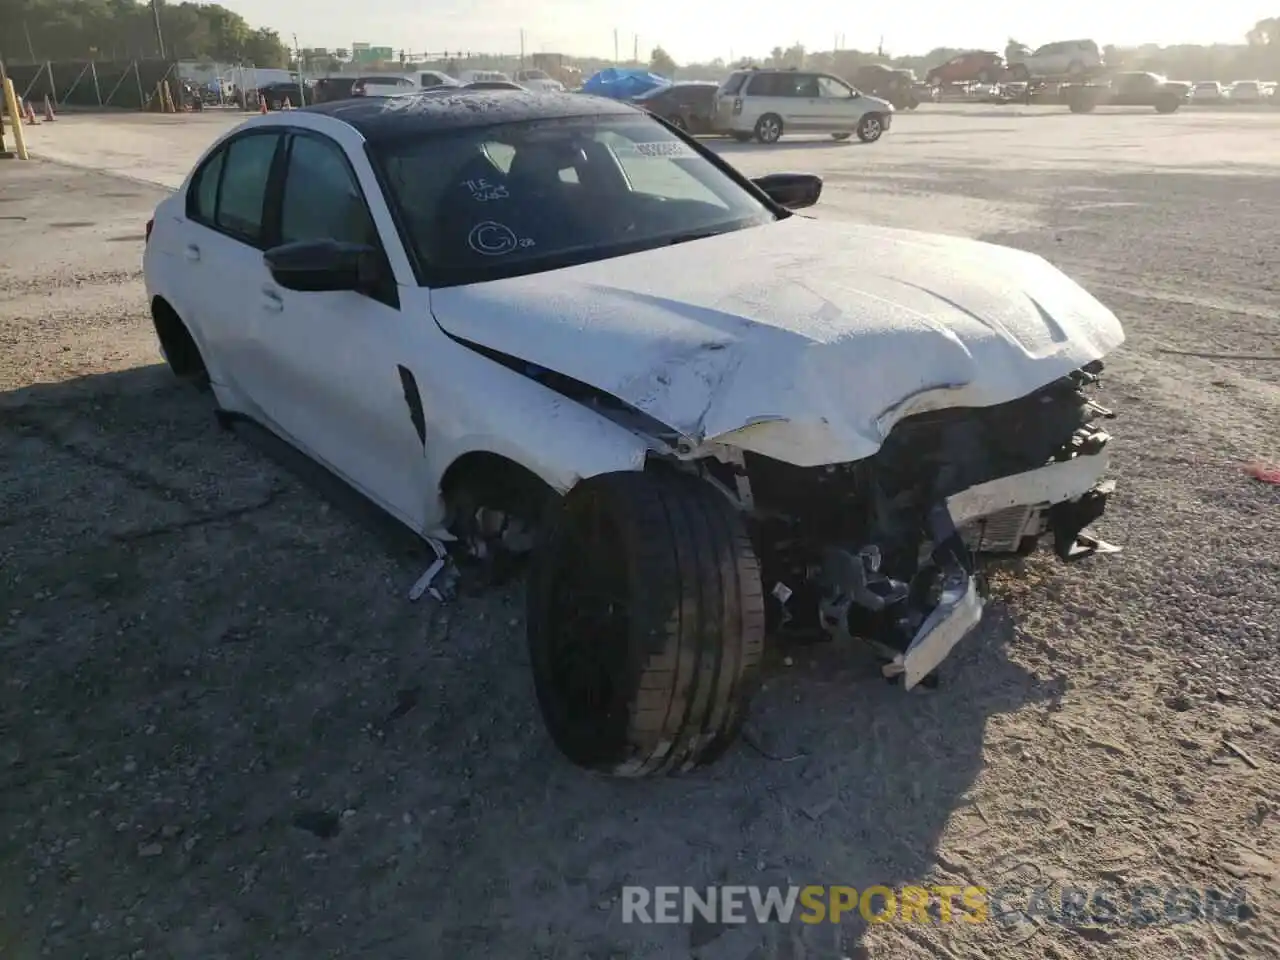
[[318, 266], [791, 190]]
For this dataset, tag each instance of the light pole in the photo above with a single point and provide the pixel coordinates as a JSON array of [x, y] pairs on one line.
[[155, 9]]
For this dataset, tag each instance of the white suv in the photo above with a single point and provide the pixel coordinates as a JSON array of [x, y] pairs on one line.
[[1066, 58], [767, 103]]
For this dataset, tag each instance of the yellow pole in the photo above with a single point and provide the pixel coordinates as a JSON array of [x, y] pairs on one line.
[[11, 104]]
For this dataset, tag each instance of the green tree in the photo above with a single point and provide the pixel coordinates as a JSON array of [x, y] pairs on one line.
[[125, 29], [661, 63]]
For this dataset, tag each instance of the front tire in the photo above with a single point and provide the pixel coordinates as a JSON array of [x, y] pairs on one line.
[[646, 623], [769, 128], [1168, 104], [870, 128]]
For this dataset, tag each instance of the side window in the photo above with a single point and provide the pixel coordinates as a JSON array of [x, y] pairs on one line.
[[806, 86], [831, 87], [244, 186], [321, 198], [202, 196], [733, 84], [764, 85]]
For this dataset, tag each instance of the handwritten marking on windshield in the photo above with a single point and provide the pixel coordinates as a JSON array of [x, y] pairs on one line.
[[491, 239]]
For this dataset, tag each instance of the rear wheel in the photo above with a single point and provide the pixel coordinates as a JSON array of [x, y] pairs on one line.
[[178, 346], [1168, 103], [646, 623], [769, 128], [870, 128]]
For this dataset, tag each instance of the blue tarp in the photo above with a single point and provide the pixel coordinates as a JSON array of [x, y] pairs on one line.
[[623, 84]]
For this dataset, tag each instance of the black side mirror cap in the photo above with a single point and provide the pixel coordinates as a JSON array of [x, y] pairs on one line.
[[791, 190], [319, 266]]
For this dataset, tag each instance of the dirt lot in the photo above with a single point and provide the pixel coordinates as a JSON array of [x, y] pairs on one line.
[[209, 665]]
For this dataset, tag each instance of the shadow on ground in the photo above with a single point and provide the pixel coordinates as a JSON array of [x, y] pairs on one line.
[[226, 731]]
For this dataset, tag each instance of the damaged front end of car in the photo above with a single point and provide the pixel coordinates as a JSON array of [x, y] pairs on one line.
[[889, 549]]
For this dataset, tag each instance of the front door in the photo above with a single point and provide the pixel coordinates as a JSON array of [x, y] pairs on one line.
[[333, 370]]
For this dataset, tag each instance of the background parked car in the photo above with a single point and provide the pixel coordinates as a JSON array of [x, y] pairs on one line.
[[887, 83], [538, 80], [976, 66], [1245, 91], [1064, 58], [765, 104], [1130, 89], [688, 105], [1207, 91], [275, 94]]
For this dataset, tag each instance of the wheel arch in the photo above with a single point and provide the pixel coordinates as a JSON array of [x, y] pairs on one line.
[[177, 342]]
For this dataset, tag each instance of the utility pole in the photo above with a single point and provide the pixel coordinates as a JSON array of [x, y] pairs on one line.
[[522, 49], [635, 48], [302, 91], [615, 45], [155, 9]]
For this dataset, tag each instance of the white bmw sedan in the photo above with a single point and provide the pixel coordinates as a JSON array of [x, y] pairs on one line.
[[551, 324]]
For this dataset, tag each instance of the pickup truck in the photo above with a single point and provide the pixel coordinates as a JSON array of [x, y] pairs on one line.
[[1134, 89]]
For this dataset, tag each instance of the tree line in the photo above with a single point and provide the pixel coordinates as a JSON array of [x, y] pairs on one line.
[[36, 30]]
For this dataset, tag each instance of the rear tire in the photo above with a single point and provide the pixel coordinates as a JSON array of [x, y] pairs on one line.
[[1168, 104], [769, 128], [646, 623], [178, 346]]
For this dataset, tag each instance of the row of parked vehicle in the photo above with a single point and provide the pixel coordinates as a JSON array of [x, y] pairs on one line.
[[346, 86]]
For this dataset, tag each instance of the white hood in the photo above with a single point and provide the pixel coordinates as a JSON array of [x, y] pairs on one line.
[[802, 340]]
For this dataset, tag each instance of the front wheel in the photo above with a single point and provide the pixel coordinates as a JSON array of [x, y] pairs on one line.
[[1168, 104], [870, 128], [646, 623], [769, 128]]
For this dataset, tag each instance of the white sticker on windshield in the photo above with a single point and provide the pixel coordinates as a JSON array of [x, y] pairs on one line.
[[492, 239], [671, 149]]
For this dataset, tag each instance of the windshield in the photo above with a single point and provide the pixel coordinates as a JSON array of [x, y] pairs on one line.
[[483, 203]]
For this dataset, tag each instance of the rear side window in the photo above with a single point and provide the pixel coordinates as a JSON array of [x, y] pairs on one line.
[[765, 85], [733, 85], [202, 196], [244, 186]]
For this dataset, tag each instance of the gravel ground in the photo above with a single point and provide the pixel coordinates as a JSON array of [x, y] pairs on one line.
[[225, 733]]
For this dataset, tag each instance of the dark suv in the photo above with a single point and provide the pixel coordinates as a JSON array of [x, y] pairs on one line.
[[687, 106]]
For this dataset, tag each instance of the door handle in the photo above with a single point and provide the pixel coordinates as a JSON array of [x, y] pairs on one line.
[[193, 253], [272, 300]]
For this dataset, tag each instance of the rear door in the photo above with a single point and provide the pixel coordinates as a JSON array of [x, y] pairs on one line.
[[222, 249]]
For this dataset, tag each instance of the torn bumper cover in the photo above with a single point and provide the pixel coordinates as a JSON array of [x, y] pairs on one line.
[[915, 625]]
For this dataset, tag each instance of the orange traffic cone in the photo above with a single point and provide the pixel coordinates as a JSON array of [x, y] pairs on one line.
[[48, 109], [262, 104], [287, 105]]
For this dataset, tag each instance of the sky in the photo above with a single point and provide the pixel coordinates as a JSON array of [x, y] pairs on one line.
[[699, 30]]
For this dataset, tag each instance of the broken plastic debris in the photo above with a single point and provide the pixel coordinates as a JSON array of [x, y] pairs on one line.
[[433, 571], [1263, 471]]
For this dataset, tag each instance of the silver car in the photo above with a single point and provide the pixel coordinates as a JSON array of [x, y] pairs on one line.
[[765, 104]]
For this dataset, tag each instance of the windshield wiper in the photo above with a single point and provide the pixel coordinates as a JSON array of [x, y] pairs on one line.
[[694, 235]]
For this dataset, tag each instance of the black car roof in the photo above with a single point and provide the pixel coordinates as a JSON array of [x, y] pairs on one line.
[[392, 118]]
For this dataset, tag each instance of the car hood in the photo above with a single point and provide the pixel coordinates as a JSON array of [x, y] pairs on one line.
[[800, 340]]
